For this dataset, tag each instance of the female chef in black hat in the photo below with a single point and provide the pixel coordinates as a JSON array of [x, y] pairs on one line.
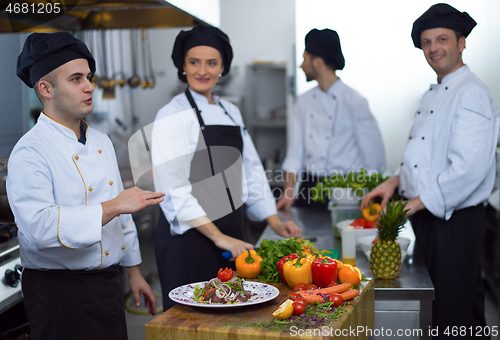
[[205, 160]]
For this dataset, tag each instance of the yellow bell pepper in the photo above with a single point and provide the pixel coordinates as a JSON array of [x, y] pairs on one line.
[[370, 213], [298, 271]]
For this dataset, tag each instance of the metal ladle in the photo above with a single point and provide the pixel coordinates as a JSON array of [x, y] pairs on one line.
[[103, 81], [122, 81], [144, 82], [151, 77], [134, 81]]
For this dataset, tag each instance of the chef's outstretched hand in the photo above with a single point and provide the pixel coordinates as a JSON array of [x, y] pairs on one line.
[[234, 245], [129, 201], [285, 229], [385, 190], [285, 202], [138, 286]]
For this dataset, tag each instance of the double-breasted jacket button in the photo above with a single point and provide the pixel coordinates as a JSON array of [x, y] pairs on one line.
[[110, 182], [77, 157], [90, 188], [123, 247], [107, 252], [100, 151]]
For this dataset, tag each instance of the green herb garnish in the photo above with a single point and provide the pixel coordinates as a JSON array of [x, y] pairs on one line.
[[273, 251]]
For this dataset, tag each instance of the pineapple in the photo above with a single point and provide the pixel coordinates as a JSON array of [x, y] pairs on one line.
[[385, 256]]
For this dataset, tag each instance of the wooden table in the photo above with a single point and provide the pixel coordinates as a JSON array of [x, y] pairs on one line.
[[185, 322]]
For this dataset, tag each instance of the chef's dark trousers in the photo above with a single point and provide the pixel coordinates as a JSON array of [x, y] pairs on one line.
[[452, 252], [75, 304], [304, 199]]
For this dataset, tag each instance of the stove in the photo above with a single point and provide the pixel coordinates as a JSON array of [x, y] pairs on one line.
[[10, 267]]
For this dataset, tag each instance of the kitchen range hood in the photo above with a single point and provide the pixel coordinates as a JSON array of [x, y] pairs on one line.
[[76, 15]]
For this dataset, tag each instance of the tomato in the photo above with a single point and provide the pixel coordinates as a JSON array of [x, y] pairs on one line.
[[360, 222], [298, 308], [225, 275], [336, 299], [301, 299], [312, 287], [333, 284], [300, 286], [294, 295], [370, 225]]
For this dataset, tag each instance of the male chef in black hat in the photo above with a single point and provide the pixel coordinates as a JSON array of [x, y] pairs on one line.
[[334, 131], [65, 191], [448, 170]]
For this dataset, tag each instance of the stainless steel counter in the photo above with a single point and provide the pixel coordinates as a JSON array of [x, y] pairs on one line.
[[403, 304]]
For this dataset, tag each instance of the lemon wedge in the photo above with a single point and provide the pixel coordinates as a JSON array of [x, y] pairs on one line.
[[284, 311]]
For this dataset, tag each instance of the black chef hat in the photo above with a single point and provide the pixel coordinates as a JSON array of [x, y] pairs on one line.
[[44, 52], [325, 44], [445, 16], [201, 35]]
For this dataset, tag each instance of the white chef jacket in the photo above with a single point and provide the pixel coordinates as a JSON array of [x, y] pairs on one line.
[[334, 132], [449, 159], [55, 187], [175, 134]]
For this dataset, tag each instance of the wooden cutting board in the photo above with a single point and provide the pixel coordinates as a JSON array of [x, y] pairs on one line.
[[184, 322]]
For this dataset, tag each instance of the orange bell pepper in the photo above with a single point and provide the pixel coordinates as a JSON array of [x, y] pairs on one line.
[[248, 264]]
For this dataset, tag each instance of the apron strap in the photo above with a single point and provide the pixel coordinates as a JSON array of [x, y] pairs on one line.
[[195, 107]]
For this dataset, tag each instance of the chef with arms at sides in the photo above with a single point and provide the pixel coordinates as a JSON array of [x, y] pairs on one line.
[[206, 163], [65, 190], [334, 131], [448, 172]]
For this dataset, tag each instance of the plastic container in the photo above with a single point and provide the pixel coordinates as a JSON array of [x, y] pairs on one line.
[[342, 213]]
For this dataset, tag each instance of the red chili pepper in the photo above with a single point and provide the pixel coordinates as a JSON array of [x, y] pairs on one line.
[[282, 262], [225, 275], [324, 271]]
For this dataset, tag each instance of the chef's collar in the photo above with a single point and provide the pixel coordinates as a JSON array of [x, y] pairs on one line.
[[335, 87], [451, 76], [65, 131], [201, 98]]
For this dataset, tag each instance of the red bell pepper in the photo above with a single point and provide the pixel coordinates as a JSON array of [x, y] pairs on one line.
[[282, 262], [324, 271]]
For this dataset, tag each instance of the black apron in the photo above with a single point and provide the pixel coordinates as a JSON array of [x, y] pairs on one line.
[[304, 199], [192, 257], [452, 252], [75, 304]]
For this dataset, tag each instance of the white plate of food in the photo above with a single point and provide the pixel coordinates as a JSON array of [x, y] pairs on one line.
[[261, 292]]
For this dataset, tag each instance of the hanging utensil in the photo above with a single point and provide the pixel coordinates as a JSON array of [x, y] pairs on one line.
[[108, 90], [151, 77], [112, 80], [93, 51], [134, 81], [144, 82], [103, 80], [122, 80]]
